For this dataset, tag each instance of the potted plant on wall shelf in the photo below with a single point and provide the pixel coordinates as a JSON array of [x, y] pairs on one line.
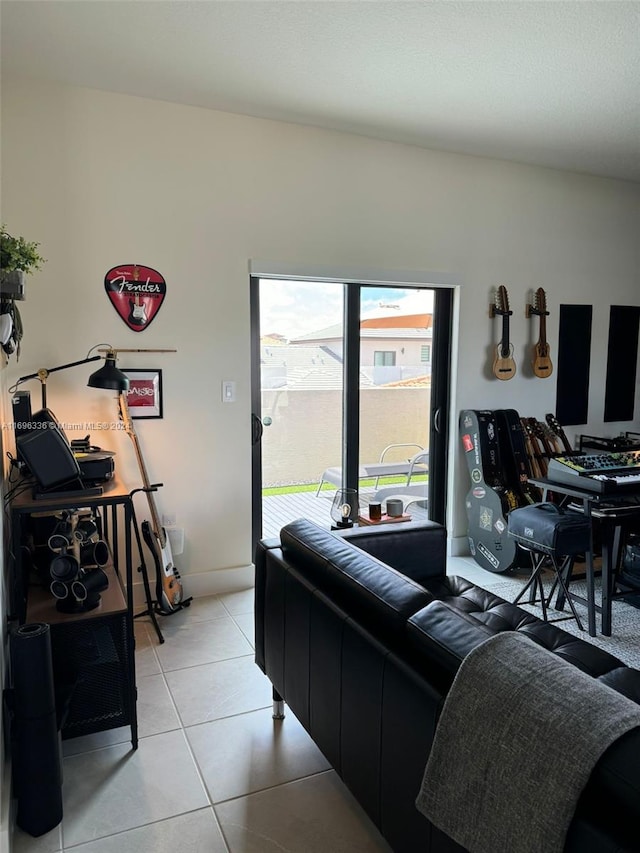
[[18, 258]]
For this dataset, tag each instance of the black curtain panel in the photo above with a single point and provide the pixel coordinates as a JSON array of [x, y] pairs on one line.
[[622, 360], [573, 363]]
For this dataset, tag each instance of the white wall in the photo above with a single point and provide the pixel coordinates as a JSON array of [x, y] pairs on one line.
[[101, 179]]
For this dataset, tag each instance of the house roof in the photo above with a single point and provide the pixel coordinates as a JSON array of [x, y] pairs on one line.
[[403, 326], [405, 321], [413, 382]]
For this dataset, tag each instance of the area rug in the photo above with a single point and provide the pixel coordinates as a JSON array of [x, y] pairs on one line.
[[624, 641]]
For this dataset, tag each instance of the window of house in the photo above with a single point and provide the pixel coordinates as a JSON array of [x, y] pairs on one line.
[[425, 353], [384, 358]]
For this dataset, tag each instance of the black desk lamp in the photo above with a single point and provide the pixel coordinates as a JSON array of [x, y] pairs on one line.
[[108, 377]]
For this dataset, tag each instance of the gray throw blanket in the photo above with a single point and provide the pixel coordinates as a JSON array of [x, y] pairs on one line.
[[519, 734]]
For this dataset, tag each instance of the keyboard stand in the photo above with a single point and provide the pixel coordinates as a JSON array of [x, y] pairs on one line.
[[611, 522]]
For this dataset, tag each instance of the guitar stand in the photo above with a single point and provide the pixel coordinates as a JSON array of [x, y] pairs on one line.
[[153, 607], [142, 568]]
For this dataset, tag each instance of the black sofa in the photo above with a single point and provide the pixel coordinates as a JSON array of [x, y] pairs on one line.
[[361, 633]]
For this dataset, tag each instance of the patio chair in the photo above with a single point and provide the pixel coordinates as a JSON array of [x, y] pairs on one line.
[[416, 464]]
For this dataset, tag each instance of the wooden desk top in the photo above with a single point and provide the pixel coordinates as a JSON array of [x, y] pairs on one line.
[[113, 491]]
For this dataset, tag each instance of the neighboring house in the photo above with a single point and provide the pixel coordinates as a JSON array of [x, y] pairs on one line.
[[302, 383], [392, 348]]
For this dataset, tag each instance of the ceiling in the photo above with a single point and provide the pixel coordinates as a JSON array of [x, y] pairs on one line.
[[549, 83]]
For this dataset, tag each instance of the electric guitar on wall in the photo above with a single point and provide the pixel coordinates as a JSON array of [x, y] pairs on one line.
[[169, 592], [137, 311], [504, 367], [541, 361]]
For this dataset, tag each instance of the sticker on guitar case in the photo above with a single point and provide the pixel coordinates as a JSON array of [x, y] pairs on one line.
[[136, 292], [486, 518]]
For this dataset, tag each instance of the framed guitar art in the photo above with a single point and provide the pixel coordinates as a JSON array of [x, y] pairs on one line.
[[144, 397]]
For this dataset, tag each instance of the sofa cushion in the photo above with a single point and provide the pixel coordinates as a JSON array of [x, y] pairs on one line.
[[363, 586], [464, 615], [440, 638]]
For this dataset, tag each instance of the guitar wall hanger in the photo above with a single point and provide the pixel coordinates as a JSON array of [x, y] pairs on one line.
[[541, 361], [504, 366]]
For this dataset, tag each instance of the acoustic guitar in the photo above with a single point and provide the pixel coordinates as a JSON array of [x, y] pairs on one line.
[[556, 429], [541, 361], [504, 366], [534, 452], [546, 437], [515, 454]]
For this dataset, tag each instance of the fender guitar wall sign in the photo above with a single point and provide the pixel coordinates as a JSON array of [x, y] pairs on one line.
[[136, 292]]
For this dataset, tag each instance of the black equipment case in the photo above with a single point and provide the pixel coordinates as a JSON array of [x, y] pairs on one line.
[[549, 528]]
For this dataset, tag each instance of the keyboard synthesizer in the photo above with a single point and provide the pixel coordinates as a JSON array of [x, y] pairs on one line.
[[603, 473]]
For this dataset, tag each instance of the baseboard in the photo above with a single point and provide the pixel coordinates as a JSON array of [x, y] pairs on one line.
[[199, 584], [459, 546]]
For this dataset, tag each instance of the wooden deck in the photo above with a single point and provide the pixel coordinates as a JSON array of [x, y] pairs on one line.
[[278, 510]]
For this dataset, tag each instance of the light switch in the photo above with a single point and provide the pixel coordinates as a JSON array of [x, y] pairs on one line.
[[228, 391]]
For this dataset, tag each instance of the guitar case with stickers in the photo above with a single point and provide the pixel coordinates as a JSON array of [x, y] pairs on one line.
[[489, 499]]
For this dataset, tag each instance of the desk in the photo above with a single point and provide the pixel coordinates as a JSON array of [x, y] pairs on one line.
[[99, 643], [612, 522]]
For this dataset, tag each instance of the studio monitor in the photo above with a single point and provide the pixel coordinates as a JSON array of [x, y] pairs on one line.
[[49, 457]]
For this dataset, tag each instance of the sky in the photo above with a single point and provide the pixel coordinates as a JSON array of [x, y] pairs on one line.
[[292, 308]]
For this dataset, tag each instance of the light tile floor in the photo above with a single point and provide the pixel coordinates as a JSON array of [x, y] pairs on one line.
[[213, 773]]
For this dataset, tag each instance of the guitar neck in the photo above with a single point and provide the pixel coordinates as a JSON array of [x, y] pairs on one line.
[[542, 343], [155, 519], [504, 344]]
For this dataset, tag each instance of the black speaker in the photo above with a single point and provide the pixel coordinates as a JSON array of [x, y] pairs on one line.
[[49, 457]]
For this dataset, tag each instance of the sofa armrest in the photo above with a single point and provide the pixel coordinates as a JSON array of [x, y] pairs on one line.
[[417, 549], [260, 562]]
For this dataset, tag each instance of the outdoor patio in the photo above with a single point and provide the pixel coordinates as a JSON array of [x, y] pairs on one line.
[[278, 510]]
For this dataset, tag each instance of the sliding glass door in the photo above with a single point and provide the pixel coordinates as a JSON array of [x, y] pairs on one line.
[[349, 389]]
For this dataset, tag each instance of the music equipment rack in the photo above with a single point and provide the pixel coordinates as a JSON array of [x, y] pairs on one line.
[[608, 445]]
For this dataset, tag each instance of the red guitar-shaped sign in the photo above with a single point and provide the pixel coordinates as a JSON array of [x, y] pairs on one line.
[[136, 292]]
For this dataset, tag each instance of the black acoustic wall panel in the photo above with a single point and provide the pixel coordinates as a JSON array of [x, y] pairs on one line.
[[574, 359], [622, 360]]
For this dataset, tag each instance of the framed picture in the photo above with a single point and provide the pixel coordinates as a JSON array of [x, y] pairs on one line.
[[144, 397]]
